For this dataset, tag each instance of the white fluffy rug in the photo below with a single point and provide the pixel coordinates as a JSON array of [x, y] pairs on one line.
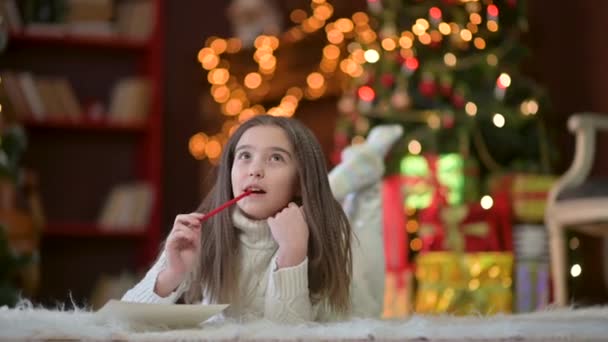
[[27, 323]]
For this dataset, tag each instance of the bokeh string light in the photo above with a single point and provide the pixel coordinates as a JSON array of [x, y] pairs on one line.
[[350, 44]]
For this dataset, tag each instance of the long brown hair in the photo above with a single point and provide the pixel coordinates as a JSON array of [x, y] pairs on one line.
[[329, 247]]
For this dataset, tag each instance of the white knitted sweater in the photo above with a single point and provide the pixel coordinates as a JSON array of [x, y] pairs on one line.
[[278, 295]]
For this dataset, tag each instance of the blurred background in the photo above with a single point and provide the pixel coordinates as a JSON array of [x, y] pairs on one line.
[[114, 113]]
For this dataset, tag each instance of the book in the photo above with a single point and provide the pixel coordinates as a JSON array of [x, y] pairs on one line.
[[130, 100], [158, 315], [128, 206]]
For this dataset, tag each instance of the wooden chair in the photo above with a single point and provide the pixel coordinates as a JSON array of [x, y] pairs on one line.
[[576, 201]]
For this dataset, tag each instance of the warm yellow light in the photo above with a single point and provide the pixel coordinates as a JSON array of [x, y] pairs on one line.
[[328, 65], [418, 29], [219, 45], [479, 43], [213, 149], [357, 72], [487, 202], [524, 108], [289, 103], [234, 45], [492, 60], [372, 56], [358, 56], [197, 144], [348, 66], [323, 11], [436, 37], [262, 41], [228, 125], [335, 36], [412, 226], [492, 26], [258, 109], [331, 51], [239, 94], [425, 39], [315, 80], [475, 269], [449, 59], [298, 15], [246, 114], [220, 93], [470, 108], [498, 120], [434, 121], [466, 35], [318, 2], [475, 18], [253, 80], [505, 79], [416, 244], [232, 130], [367, 36], [406, 42], [423, 23], [474, 284], [344, 24], [414, 147], [314, 23], [360, 18], [296, 92], [267, 61], [454, 28], [472, 27], [210, 61], [233, 107], [203, 53], [576, 270], [262, 53], [444, 28], [218, 76], [406, 53], [294, 34], [388, 44], [532, 107], [313, 94], [494, 271]]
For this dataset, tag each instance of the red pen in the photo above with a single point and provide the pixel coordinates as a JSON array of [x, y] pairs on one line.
[[226, 205]]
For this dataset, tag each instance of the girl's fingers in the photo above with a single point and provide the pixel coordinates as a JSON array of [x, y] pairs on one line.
[[189, 220], [186, 237]]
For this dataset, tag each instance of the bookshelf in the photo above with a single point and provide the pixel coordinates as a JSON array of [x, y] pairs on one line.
[[23, 39], [82, 156]]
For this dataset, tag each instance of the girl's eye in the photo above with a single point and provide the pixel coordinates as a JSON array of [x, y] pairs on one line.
[[277, 158], [243, 155]]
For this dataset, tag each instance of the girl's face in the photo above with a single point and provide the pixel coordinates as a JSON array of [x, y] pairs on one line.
[[264, 161]]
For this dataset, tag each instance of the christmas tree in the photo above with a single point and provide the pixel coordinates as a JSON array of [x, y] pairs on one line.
[[450, 72]]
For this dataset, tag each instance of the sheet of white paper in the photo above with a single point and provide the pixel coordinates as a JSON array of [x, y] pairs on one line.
[[169, 315]]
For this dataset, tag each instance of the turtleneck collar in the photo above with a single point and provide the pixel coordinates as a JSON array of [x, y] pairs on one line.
[[254, 233]]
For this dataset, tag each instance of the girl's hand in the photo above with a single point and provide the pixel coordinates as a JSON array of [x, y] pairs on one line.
[[181, 248], [290, 231]]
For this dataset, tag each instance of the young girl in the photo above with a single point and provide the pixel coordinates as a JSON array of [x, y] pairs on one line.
[[282, 253]]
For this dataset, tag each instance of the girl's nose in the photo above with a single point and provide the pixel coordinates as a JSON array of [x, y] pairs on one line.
[[256, 171]]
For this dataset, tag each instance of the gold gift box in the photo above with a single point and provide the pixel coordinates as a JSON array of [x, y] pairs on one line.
[[464, 283]]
